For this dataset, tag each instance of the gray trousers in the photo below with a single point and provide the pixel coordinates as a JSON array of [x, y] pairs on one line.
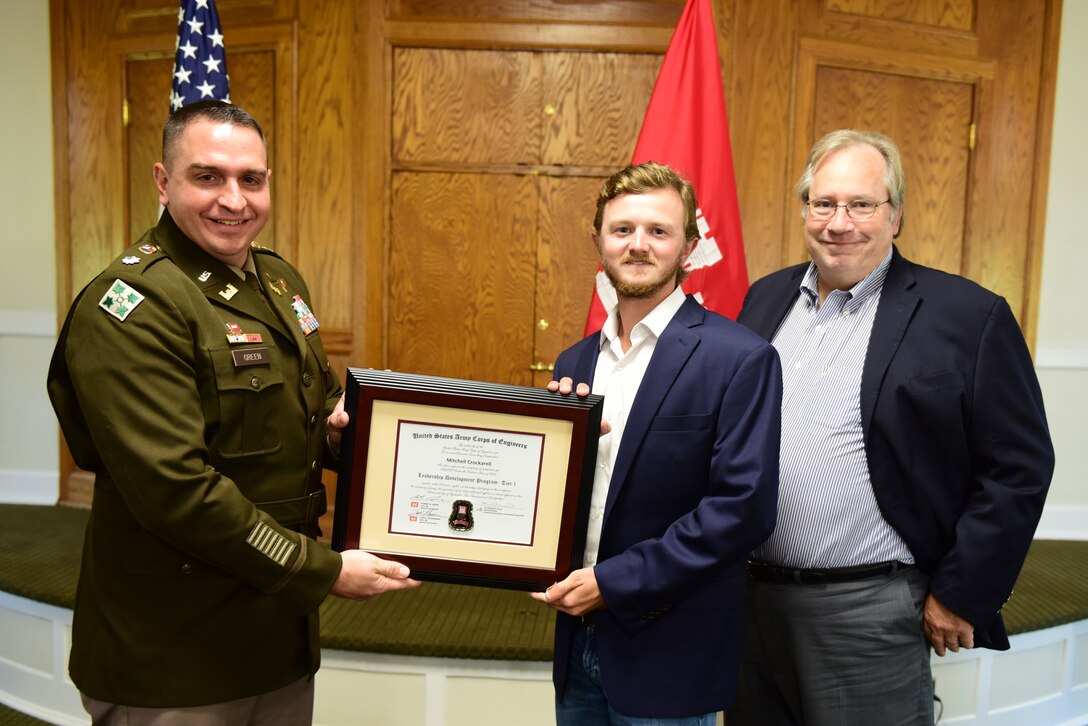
[[292, 705], [843, 654]]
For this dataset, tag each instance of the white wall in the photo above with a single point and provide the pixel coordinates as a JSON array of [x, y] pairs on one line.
[[28, 430], [28, 433], [1061, 351]]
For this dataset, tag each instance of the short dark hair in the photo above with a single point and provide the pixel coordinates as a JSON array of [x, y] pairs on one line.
[[215, 111]]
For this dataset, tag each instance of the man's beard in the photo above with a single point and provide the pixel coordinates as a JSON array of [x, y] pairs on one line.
[[646, 288]]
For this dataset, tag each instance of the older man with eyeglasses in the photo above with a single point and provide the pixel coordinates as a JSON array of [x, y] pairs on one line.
[[914, 464]]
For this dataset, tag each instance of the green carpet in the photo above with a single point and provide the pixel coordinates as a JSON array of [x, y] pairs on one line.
[[39, 560], [11, 717]]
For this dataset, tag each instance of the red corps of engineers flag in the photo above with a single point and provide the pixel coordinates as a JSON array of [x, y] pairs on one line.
[[686, 128]]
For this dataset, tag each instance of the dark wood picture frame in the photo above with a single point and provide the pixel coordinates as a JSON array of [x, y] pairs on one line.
[[379, 401]]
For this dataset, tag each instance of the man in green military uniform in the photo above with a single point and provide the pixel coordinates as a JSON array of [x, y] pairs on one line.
[[191, 379]]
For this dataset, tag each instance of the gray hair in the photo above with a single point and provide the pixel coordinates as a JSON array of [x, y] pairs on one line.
[[894, 180]]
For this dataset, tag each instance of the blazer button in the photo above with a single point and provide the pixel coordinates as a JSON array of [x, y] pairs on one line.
[[255, 382], [313, 419], [307, 380], [186, 568], [315, 465]]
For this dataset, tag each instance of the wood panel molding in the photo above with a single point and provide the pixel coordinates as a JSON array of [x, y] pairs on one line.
[[538, 36], [950, 14], [1044, 125]]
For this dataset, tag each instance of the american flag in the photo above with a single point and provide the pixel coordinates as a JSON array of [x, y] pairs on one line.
[[200, 63]]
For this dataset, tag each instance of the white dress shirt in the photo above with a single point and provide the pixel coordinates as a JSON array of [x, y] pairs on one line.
[[618, 376]]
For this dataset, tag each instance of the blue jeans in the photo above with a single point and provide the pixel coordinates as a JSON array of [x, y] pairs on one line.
[[584, 702]]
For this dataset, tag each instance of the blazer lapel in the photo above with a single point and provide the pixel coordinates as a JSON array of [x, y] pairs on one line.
[[585, 365], [898, 301], [764, 320], [280, 297], [678, 341]]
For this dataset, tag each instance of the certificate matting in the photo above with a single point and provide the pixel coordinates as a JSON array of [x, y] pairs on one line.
[[419, 449]]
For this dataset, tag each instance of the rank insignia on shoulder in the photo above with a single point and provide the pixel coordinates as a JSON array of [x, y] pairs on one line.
[[306, 319], [148, 249], [120, 300], [130, 260], [229, 292]]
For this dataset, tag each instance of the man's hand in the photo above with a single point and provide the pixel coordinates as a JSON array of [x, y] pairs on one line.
[[576, 595], [945, 629], [565, 385], [364, 576], [335, 424]]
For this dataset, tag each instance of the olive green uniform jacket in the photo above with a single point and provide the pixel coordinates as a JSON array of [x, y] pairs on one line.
[[196, 586]]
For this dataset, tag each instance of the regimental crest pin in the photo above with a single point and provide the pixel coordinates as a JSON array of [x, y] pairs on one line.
[[120, 300], [277, 285], [148, 249], [461, 516], [306, 319]]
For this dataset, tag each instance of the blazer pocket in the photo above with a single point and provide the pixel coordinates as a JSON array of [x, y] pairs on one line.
[[699, 422], [938, 381]]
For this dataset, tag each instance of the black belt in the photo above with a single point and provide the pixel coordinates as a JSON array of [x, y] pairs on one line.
[[763, 572]]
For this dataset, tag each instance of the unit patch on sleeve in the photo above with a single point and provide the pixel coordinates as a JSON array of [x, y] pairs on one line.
[[270, 543], [120, 300]]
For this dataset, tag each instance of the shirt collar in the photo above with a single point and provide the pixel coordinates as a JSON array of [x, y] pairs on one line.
[[653, 324], [868, 286], [249, 266]]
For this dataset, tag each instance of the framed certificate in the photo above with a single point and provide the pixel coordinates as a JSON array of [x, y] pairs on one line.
[[467, 482]]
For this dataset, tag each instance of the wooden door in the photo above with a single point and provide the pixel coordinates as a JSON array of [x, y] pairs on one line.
[[497, 158]]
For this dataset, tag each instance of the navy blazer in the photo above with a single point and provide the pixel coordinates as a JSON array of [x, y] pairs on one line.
[[956, 437], [694, 489]]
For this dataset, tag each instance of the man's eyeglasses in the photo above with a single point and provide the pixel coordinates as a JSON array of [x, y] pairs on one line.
[[858, 209]]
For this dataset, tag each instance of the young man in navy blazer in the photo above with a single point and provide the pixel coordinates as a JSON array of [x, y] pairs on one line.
[[915, 461], [686, 477]]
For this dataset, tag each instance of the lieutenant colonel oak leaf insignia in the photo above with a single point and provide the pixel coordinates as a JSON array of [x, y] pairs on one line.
[[120, 300]]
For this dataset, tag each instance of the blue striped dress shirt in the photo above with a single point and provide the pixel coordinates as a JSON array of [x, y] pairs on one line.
[[827, 512]]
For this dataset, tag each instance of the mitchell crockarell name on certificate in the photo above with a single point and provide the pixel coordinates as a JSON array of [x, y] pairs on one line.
[[466, 483]]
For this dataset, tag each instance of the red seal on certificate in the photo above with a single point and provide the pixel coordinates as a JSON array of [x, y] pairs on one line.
[[461, 516]]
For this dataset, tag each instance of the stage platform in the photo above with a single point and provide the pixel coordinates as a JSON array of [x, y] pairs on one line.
[[417, 658]]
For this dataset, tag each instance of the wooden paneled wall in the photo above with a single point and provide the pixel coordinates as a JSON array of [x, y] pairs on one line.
[[436, 161]]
